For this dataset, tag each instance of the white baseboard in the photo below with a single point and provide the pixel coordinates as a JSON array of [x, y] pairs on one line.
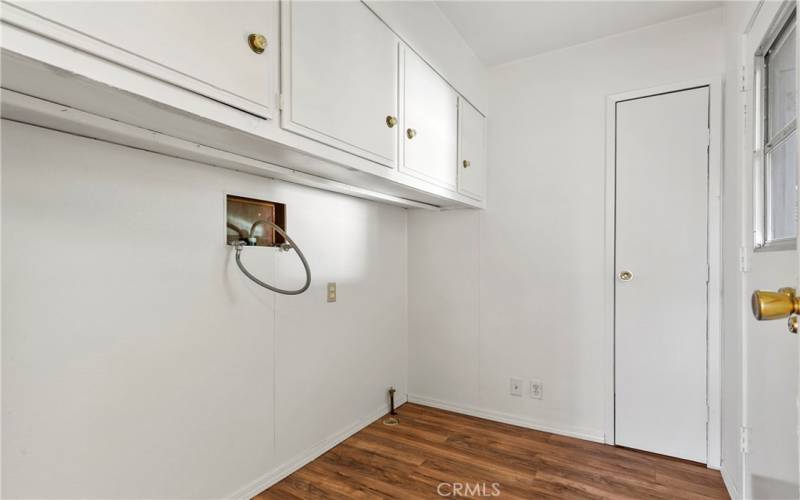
[[730, 485], [506, 418], [262, 483]]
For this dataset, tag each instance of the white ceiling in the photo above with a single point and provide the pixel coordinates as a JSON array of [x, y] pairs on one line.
[[502, 31]]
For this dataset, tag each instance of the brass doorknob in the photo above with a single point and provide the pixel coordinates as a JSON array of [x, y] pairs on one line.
[[625, 275], [775, 305], [467, 163], [411, 133], [391, 121], [257, 42]]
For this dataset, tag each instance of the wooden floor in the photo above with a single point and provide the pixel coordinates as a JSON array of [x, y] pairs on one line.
[[469, 457]]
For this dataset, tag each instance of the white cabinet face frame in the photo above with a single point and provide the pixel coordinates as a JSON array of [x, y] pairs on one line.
[[349, 117], [471, 149], [430, 109], [255, 92]]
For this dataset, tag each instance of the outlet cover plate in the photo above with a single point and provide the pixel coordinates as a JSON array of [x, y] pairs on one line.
[[536, 389], [515, 387]]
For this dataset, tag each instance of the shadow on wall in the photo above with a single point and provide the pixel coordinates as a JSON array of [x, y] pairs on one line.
[[769, 488]]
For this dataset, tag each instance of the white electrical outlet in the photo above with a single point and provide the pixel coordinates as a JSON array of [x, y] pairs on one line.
[[536, 389], [516, 386]]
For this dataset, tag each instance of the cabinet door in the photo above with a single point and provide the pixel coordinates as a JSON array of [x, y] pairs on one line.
[[472, 151], [340, 77], [430, 122], [200, 46]]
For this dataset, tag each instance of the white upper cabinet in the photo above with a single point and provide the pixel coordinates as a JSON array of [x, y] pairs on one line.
[[200, 46], [430, 123], [339, 78], [471, 151], [335, 96]]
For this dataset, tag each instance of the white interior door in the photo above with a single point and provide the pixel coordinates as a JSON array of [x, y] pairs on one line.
[[662, 241]]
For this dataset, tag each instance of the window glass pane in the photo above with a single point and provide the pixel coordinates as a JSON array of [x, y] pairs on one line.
[[782, 190], [781, 79]]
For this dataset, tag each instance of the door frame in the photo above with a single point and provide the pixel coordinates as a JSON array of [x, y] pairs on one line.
[[713, 333]]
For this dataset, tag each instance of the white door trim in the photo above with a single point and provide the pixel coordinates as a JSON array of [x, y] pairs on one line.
[[714, 390]]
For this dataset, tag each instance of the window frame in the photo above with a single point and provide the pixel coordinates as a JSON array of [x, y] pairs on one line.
[[765, 142]]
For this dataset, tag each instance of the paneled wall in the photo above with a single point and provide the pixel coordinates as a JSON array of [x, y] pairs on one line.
[[517, 290], [139, 362]]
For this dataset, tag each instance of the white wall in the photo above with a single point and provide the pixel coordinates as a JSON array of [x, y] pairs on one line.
[[517, 289], [138, 361]]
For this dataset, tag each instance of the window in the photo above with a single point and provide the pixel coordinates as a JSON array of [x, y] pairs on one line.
[[776, 140]]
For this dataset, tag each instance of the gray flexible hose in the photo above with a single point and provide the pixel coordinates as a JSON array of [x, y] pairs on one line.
[[241, 244]]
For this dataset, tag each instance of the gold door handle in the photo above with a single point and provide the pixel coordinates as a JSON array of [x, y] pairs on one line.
[[257, 42], [391, 121], [625, 275], [411, 133], [776, 305]]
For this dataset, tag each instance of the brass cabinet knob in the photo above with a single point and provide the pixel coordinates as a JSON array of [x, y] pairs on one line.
[[391, 121], [257, 42], [466, 163], [625, 275], [775, 305], [792, 324], [411, 133]]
